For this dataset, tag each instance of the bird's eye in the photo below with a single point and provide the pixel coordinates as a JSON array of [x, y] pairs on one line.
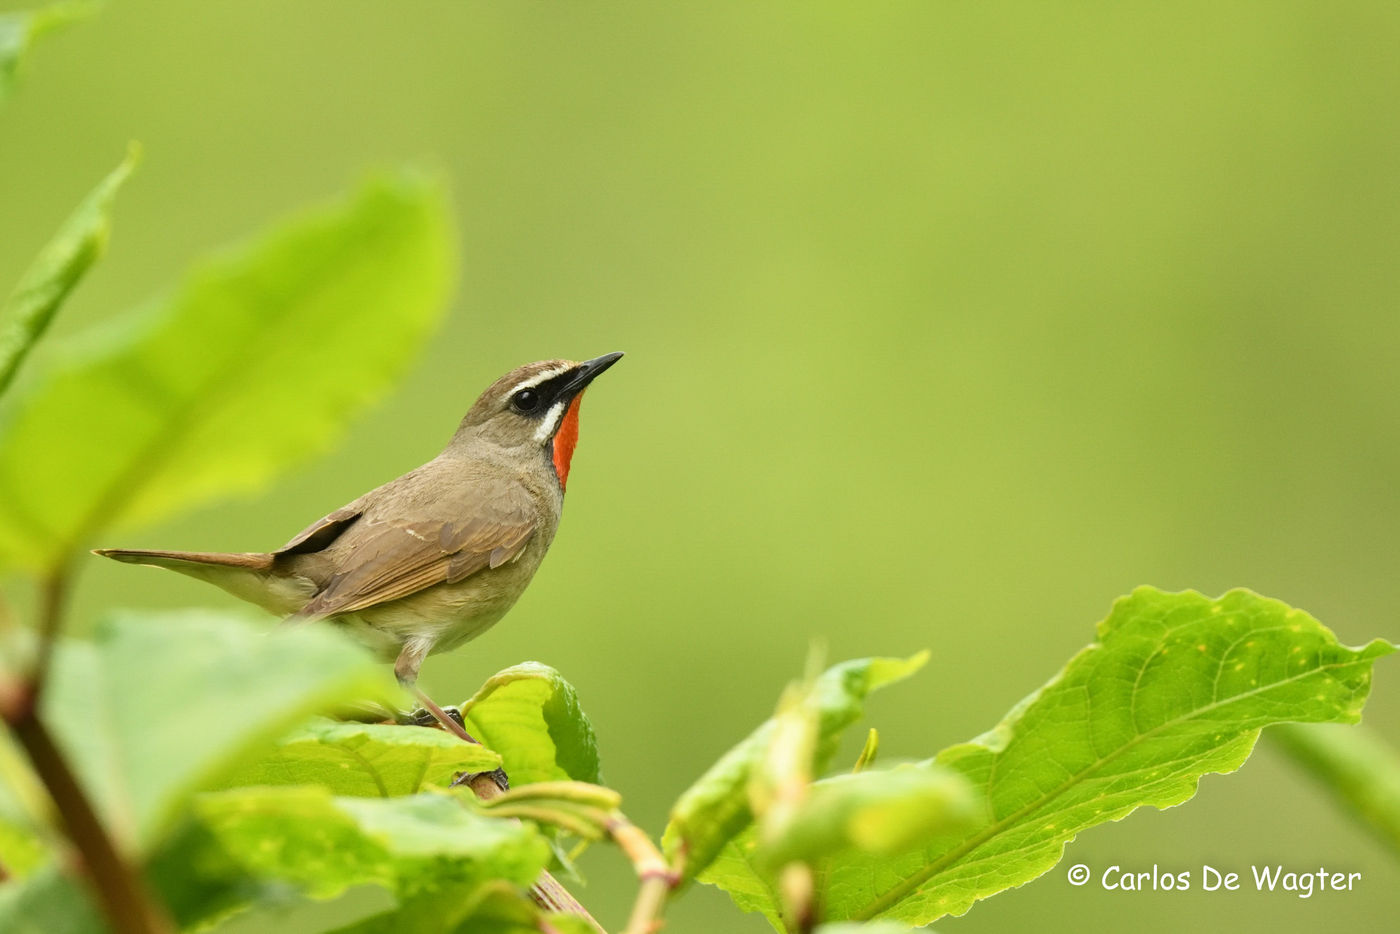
[[525, 401]]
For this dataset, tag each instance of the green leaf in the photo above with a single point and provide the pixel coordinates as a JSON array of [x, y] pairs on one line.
[[281, 910], [158, 705], [19, 31], [256, 361], [46, 902], [412, 845], [531, 716], [365, 759], [21, 851], [57, 270], [1177, 686], [1356, 766], [259, 847], [24, 803], [872, 927], [716, 808], [877, 812], [493, 908], [190, 878]]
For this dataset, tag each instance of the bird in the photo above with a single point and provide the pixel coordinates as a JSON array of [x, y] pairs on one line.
[[433, 558]]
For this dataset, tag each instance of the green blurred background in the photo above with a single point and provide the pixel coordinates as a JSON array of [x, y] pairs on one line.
[[946, 324]]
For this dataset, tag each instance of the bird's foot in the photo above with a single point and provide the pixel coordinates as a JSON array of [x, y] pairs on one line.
[[469, 779], [450, 719], [421, 716]]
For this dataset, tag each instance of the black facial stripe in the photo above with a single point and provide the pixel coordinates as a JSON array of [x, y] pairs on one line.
[[549, 389]]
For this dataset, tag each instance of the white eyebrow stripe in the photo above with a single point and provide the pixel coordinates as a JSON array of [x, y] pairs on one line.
[[538, 378], [551, 418]]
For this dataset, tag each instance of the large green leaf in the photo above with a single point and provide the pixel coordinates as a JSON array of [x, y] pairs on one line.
[[412, 845], [19, 31], [159, 705], [716, 808], [255, 361], [57, 270], [531, 716], [365, 759], [1177, 686], [437, 859]]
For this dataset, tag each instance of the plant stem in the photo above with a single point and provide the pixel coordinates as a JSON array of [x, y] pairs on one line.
[[657, 878], [118, 886], [547, 892], [115, 881]]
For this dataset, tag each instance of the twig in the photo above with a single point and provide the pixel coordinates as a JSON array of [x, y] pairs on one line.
[[115, 881], [547, 892], [657, 878], [550, 894]]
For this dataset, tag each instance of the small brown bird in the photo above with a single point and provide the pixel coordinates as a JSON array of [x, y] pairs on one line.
[[434, 558]]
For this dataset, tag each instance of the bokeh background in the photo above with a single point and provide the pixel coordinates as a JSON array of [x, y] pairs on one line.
[[946, 324]]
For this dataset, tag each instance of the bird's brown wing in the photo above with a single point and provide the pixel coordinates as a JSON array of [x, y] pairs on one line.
[[320, 534], [383, 560]]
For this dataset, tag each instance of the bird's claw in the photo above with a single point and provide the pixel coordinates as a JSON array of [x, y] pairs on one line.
[[465, 779], [420, 716]]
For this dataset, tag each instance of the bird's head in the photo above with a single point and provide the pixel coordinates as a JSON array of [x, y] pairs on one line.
[[535, 407]]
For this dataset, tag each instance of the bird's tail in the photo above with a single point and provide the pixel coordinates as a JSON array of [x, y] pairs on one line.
[[247, 576], [187, 561]]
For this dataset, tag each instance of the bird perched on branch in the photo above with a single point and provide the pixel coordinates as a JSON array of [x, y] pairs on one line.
[[435, 557]]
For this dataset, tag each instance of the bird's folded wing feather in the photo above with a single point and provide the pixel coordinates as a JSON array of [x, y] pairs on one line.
[[380, 561], [319, 534]]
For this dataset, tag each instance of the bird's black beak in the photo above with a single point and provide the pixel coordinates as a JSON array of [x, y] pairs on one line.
[[586, 372]]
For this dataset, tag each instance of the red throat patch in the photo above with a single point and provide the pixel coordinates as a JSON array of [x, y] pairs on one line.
[[565, 439]]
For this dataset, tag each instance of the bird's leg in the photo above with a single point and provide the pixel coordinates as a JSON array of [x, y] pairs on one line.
[[446, 720], [452, 722], [406, 670]]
